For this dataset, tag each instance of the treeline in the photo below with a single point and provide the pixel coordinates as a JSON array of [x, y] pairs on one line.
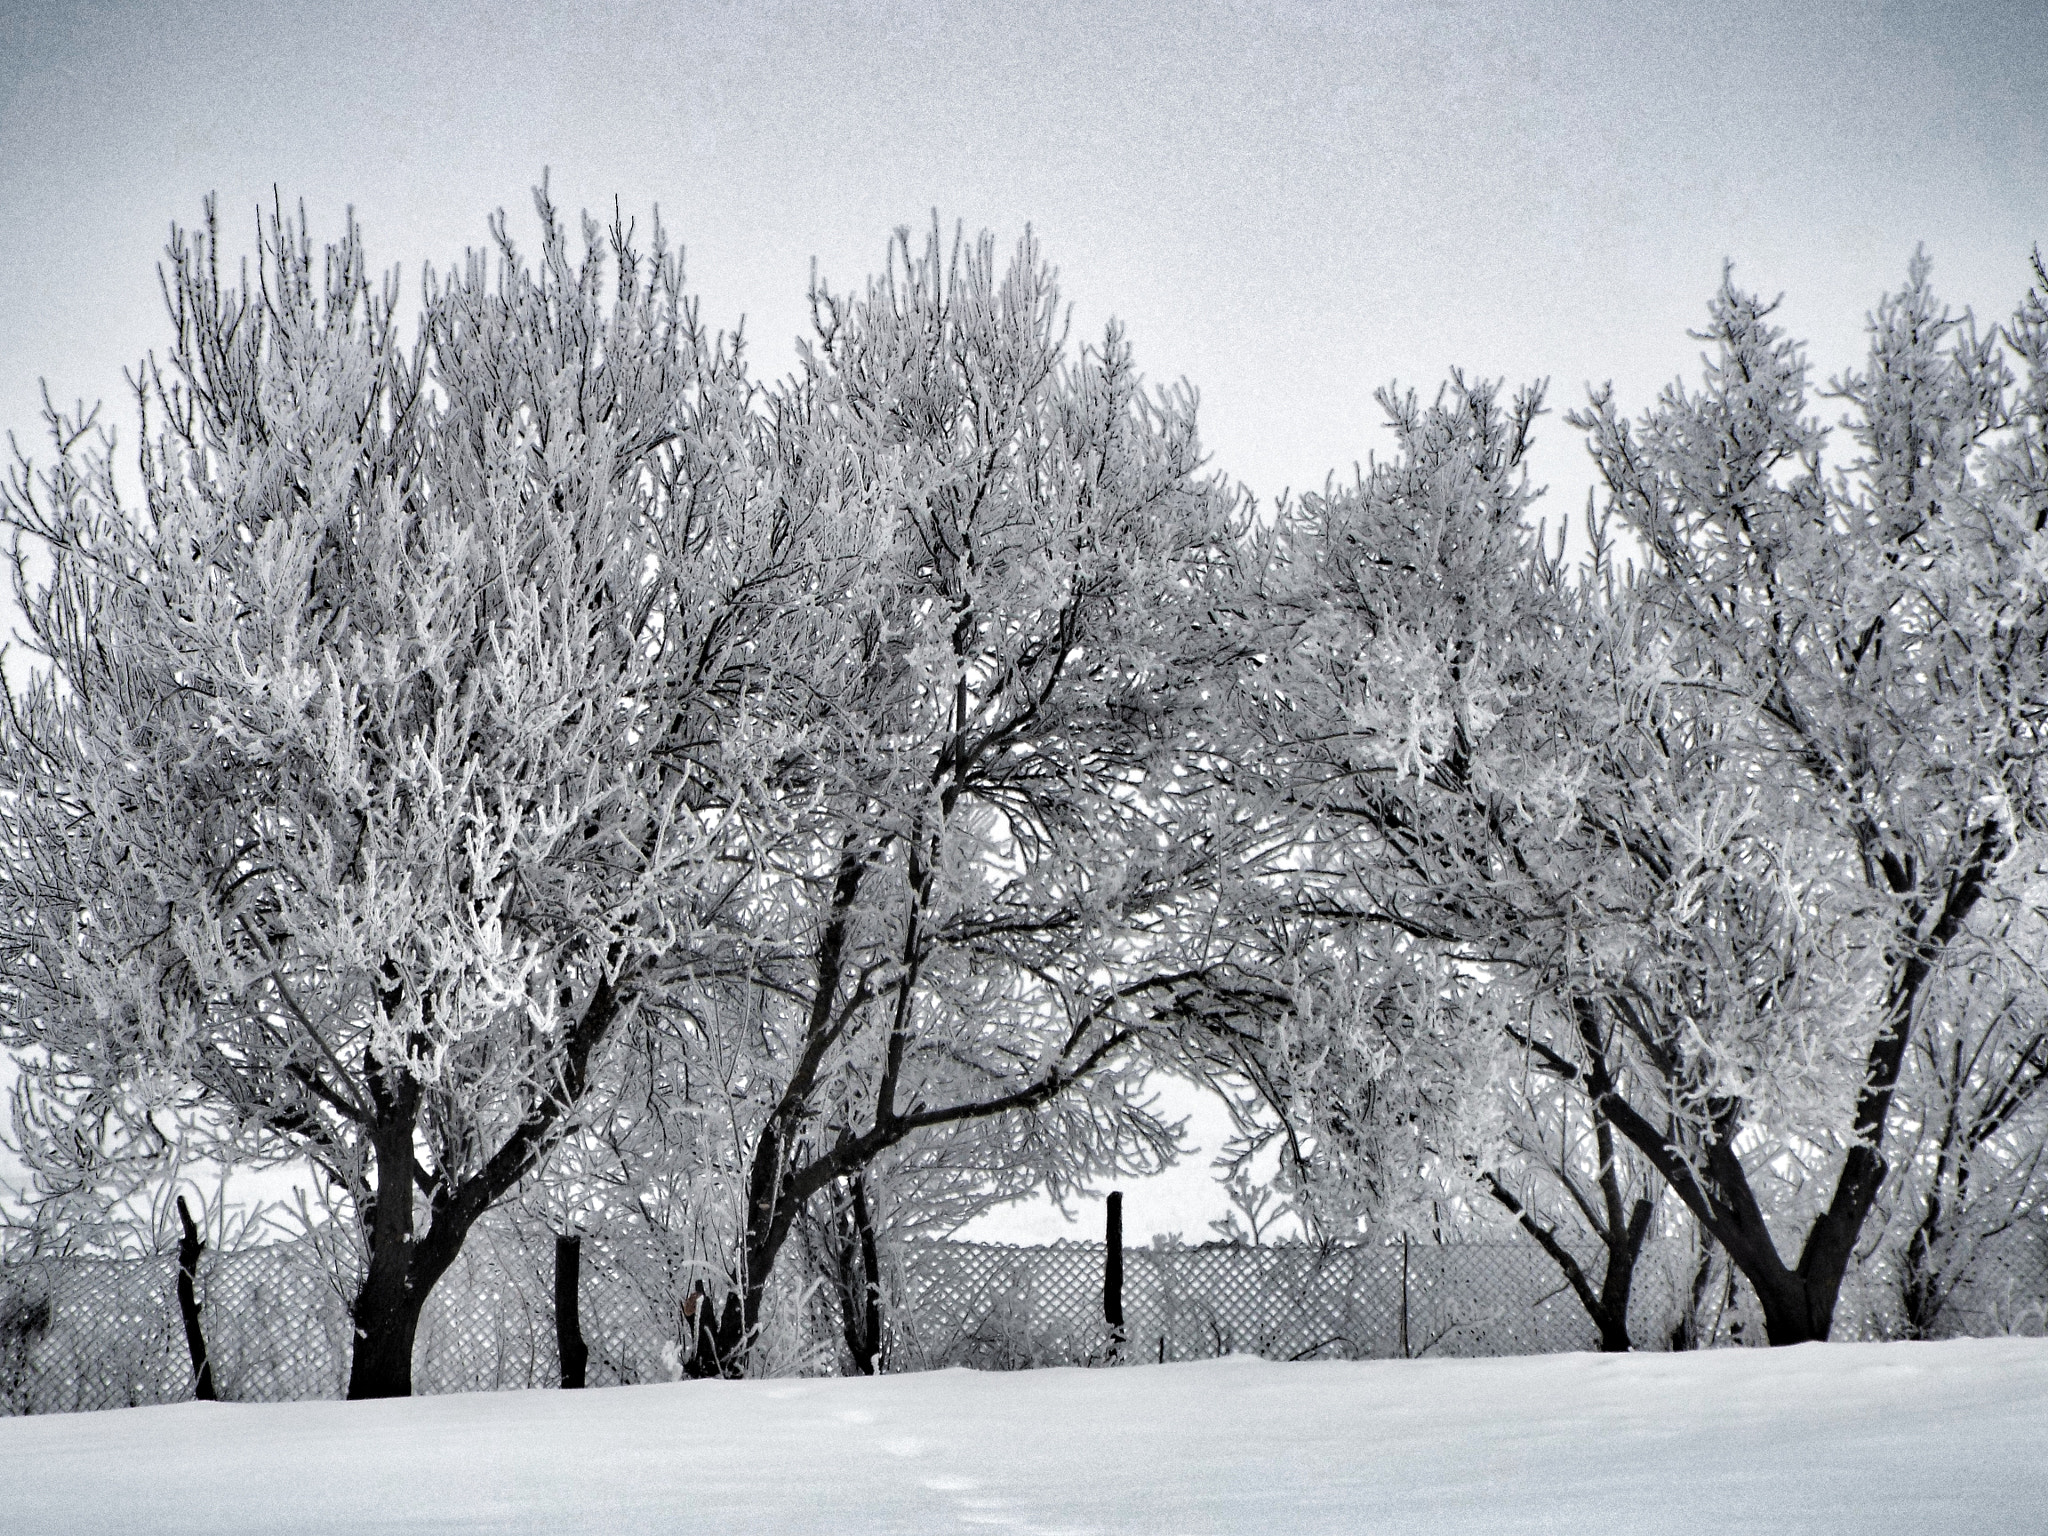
[[524, 756]]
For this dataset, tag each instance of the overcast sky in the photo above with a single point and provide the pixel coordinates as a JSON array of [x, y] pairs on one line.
[[1288, 204]]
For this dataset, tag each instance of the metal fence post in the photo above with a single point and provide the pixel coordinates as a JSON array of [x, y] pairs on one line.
[[1404, 1295]]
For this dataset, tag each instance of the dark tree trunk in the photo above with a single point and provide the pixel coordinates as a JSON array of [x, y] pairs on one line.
[[786, 1169], [570, 1349], [769, 1217], [189, 1249], [402, 1272], [1799, 1302], [1795, 1312], [772, 1204], [698, 1319], [860, 1291], [388, 1323], [387, 1307], [1619, 1281], [1921, 1292], [1607, 1307], [847, 1250]]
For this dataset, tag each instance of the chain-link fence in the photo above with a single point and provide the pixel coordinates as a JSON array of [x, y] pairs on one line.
[[84, 1334], [996, 1307], [95, 1333]]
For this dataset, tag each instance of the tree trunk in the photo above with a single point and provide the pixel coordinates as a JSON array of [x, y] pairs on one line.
[[871, 1281], [403, 1272], [387, 1322], [1619, 1281], [387, 1307], [853, 1263], [189, 1249], [387, 1312], [768, 1224], [1798, 1304], [1623, 1240], [1686, 1334], [1798, 1308], [570, 1349], [772, 1206], [1794, 1314]]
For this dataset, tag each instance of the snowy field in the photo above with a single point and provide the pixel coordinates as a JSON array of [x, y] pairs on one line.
[[1862, 1438]]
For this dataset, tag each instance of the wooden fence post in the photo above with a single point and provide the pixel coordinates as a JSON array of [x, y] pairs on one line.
[[1113, 1277], [189, 1249], [569, 1345]]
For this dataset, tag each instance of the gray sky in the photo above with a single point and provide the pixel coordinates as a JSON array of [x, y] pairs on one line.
[[1288, 204]]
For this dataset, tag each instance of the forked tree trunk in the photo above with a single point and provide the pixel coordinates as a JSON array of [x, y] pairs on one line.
[[1798, 1302], [1621, 1233], [403, 1271], [1619, 1282]]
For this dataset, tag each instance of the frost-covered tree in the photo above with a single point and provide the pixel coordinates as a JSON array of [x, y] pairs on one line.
[[1867, 648], [660, 1168], [1487, 764], [1711, 828], [998, 864], [380, 764], [1429, 709]]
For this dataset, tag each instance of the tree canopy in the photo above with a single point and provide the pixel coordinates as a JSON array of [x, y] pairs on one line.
[[517, 755]]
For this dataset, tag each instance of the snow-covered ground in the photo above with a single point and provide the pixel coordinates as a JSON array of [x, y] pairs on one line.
[[1862, 1438]]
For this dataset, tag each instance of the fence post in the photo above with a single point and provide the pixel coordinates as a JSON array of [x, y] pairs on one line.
[[569, 1345], [1404, 1296], [189, 1249], [1113, 1277]]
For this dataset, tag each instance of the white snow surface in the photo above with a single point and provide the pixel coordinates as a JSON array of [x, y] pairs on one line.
[[1863, 1438]]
